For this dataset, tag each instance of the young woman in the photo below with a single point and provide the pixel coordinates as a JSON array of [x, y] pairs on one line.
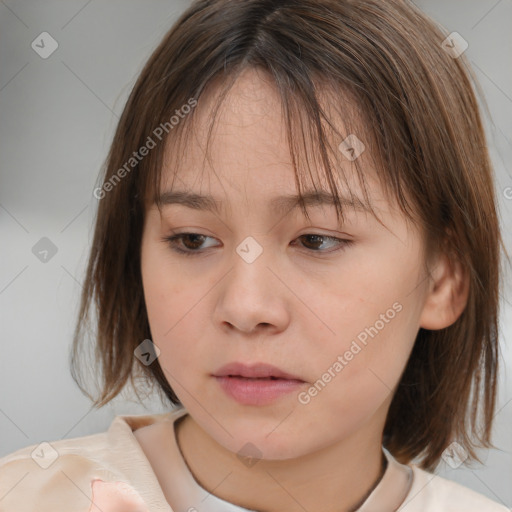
[[297, 241]]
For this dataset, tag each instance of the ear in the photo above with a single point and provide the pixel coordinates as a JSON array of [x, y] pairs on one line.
[[447, 294]]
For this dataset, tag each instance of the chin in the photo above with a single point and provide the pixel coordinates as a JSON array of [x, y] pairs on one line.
[[261, 439], [262, 447]]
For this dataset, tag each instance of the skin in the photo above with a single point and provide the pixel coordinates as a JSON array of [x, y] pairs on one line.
[[292, 307]]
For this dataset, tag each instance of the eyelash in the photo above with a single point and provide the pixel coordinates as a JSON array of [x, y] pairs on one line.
[[171, 241]]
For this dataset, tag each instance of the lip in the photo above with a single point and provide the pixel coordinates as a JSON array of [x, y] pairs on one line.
[[256, 384], [254, 371]]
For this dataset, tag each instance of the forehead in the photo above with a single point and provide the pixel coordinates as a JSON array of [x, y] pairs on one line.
[[240, 143], [234, 151]]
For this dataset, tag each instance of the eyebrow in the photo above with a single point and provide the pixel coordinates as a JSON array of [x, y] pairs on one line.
[[278, 204]]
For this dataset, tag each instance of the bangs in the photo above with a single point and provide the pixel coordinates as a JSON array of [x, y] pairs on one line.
[[326, 129]]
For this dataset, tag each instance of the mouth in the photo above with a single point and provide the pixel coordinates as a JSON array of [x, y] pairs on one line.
[[258, 371], [258, 384]]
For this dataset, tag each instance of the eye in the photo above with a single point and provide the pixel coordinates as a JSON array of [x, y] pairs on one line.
[[315, 242], [192, 243]]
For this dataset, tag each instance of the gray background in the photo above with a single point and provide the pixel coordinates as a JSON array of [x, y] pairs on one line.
[[57, 119]]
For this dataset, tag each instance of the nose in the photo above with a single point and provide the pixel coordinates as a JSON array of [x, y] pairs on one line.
[[252, 298]]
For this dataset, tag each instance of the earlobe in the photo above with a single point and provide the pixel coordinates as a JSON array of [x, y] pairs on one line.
[[447, 295]]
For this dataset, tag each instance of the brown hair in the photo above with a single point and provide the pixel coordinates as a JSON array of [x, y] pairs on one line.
[[421, 126]]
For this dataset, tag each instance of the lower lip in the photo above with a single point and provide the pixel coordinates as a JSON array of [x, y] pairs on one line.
[[257, 391]]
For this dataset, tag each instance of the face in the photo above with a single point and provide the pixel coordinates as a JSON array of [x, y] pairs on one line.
[[275, 330]]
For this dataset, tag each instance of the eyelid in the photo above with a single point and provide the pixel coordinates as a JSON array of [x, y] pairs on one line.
[[175, 235]]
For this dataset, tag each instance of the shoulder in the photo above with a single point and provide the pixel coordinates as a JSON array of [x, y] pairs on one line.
[[33, 476], [41, 453], [433, 493], [108, 467]]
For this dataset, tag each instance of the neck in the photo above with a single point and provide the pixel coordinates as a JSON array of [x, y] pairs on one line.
[[336, 479]]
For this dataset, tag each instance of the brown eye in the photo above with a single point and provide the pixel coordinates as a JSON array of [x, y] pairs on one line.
[[192, 241], [314, 242], [188, 244]]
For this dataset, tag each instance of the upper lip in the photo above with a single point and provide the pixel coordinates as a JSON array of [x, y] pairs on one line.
[[254, 371]]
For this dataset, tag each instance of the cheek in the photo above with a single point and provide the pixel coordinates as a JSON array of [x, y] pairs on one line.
[[166, 288], [169, 315], [353, 379], [175, 308], [373, 317]]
